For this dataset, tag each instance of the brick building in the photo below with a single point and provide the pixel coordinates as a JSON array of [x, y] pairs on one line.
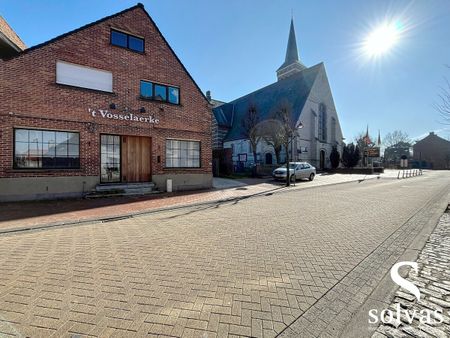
[[107, 103], [432, 152]]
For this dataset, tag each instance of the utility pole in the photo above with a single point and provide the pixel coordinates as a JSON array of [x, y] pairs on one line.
[[288, 179]]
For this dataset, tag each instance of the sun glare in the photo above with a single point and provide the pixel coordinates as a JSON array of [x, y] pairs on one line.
[[382, 39]]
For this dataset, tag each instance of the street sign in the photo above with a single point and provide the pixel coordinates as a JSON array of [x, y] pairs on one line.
[[373, 152]]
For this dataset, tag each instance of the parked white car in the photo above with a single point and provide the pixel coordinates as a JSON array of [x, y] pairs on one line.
[[297, 170]]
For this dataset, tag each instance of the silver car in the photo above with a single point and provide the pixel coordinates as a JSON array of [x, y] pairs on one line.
[[297, 170]]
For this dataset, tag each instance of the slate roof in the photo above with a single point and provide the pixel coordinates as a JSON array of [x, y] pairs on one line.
[[291, 50], [216, 103], [294, 90]]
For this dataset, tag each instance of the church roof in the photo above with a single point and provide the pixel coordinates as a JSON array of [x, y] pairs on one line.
[[293, 90], [291, 50]]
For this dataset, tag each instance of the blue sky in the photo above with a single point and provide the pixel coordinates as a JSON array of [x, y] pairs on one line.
[[233, 47]]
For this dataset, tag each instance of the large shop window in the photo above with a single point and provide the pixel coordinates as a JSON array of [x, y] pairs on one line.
[[182, 154], [159, 92], [45, 149]]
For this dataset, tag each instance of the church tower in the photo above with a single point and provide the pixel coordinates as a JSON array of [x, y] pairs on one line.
[[291, 64]]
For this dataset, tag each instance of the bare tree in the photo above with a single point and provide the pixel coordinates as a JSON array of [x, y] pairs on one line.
[[250, 126], [272, 133], [443, 104], [395, 138], [287, 128]]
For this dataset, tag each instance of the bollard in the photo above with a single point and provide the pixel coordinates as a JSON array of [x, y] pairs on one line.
[[169, 185]]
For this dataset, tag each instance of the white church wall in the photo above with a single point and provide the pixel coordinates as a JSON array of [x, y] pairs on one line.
[[320, 93]]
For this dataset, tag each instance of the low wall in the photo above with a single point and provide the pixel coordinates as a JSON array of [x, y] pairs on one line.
[[182, 182], [39, 188], [361, 171]]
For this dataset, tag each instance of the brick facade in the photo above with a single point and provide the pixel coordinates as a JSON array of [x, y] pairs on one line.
[[432, 151], [30, 97]]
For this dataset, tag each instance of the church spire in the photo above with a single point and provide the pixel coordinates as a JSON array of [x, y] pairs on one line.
[[291, 51], [291, 63]]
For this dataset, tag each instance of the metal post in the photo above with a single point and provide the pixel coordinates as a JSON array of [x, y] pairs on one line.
[[288, 179]]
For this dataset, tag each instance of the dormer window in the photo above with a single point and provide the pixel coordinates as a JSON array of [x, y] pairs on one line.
[[128, 41]]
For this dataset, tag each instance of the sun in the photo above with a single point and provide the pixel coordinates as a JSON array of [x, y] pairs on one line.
[[382, 39]]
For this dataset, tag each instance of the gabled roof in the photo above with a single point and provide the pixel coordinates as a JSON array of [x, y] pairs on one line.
[[6, 29], [294, 89], [216, 103], [10, 43], [435, 138], [138, 5], [59, 37]]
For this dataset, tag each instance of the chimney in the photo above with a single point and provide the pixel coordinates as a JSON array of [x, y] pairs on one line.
[[208, 95], [431, 132]]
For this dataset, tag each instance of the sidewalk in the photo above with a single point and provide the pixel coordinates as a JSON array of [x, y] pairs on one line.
[[25, 215]]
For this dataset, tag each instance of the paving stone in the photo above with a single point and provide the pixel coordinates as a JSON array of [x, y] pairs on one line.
[[250, 268]]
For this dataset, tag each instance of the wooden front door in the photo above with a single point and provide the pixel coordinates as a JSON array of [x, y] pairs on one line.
[[136, 159]]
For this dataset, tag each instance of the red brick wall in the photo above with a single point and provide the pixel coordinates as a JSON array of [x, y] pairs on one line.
[[10, 34], [434, 150], [28, 89]]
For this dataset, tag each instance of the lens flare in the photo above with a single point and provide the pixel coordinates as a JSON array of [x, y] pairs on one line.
[[382, 39]]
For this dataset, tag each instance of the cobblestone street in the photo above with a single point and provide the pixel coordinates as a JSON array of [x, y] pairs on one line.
[[291, 264], [433, 280]]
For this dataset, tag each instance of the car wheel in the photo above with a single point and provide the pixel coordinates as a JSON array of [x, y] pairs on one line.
[[311, 177]]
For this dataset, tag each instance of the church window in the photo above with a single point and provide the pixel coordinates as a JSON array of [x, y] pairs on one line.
[[333, 129], [322, 123]]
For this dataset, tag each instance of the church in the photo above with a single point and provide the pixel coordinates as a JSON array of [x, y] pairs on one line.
[[306, 92]]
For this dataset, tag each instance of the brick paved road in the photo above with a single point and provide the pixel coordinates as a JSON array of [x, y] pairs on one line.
[[35, 214], [249, 268]]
